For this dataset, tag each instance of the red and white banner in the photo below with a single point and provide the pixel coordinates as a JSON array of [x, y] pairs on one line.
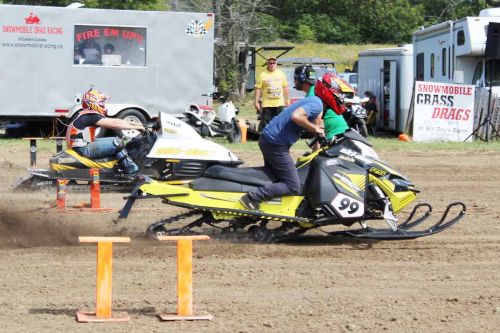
[[443, 111]]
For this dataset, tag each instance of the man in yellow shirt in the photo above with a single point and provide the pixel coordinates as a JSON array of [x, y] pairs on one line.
[[272, 86]]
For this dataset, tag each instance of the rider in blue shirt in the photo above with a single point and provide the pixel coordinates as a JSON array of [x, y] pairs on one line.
[[281, 133]]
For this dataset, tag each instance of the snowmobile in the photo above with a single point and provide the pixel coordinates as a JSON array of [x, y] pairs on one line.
[[356, 115], [169, 150], [207, 122], [340, 186]]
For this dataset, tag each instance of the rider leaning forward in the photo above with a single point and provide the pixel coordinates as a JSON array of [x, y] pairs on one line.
[[283, 131], [80, 132]]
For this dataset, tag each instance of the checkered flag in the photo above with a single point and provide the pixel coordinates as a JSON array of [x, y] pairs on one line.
[[196, 28]]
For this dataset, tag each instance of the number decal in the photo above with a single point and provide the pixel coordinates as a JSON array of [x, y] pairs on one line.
[[346, 206]]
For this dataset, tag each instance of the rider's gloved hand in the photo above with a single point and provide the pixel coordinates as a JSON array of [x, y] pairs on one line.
[[319, 131]]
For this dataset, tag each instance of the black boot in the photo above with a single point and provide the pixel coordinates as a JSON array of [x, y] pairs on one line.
[[249, 203], [126, 164]]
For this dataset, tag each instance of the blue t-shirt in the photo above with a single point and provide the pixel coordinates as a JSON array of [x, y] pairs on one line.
[[282, 130]]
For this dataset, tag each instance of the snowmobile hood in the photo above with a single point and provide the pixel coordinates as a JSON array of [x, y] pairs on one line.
[[178, 140]]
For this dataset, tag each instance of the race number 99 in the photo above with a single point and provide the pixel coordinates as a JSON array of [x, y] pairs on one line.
[[346, 206]]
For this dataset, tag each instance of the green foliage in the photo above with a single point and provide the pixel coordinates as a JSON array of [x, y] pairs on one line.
[[372, 21], [304, 33], [392, 22], [111, 4], [436, 11]]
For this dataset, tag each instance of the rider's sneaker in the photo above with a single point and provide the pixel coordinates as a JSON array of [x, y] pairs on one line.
[[249, 203]]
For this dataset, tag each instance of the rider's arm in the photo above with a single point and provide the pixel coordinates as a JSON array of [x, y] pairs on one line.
[[299, 117], [320, 122], [117, 123]]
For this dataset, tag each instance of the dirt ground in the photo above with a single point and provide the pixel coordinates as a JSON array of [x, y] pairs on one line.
[[448, 282]]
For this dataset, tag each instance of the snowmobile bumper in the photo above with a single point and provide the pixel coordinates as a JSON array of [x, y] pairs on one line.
[[406, 229]]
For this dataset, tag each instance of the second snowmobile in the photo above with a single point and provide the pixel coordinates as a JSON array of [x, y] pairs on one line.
[[168, 150]]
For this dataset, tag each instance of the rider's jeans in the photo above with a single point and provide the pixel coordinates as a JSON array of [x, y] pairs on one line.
[[101, 147], [277, 159]]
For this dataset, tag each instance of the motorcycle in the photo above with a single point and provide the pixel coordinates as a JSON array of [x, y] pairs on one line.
[[340, 186], [207, 122], [168, 150], [356, 115]]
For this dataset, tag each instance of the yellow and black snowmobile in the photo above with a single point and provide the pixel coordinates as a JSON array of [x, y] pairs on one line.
[[339, 186]]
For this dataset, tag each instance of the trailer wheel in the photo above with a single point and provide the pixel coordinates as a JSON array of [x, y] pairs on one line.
[[132, 116], [235, 134]]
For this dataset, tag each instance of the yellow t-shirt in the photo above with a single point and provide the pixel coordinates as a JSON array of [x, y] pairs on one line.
[[271, 85]]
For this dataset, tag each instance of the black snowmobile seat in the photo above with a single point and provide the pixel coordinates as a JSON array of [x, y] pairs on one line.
[[259, 176], [230, 179]]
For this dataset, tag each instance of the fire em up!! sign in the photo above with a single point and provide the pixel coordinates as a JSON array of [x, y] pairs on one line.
[[443, 111], [108, 32]]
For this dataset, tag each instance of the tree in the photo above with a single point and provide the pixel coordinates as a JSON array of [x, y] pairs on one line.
[[436, 11], [237, 23], [389, 22], [111, 4]]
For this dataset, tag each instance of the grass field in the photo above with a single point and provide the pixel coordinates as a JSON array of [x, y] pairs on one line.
[[388, 143], [344, 55], [383, 143]]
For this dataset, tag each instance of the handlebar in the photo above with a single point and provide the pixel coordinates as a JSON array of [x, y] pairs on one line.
[[323, 142], [151, 128]]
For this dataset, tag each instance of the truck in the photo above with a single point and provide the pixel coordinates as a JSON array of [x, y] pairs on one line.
[[388, 74], [146, 61], [448, 52]]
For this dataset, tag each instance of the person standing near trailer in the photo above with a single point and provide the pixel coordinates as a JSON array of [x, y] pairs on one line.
[[272, 86]]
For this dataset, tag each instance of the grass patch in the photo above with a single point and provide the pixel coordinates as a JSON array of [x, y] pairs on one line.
[[395, 144], [380, 143], [41, 146], [344, 55]]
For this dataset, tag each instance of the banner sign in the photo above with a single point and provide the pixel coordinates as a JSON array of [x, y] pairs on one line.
[[443, 111]]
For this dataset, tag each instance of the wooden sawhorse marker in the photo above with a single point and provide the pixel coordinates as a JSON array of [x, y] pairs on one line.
[[103, 282], [184, 279]]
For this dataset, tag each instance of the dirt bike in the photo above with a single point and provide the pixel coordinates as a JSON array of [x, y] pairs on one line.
[[340, 186], [168, 150], [207, 122], [356, 115]]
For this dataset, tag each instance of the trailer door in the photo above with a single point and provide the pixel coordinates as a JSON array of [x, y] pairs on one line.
[[389, 94]]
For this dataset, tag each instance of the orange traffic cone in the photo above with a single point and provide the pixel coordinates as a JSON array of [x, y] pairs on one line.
[[404, 137]]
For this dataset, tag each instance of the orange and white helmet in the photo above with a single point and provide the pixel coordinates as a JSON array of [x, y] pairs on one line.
[[94, 100]]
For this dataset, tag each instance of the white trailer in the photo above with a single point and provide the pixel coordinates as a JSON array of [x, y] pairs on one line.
[[453, 51], [388, 74], [158, 61]]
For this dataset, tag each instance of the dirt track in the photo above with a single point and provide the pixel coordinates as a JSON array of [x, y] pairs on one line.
[[449, 282]]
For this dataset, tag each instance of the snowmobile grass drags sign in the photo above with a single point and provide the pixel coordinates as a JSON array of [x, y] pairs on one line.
[[443, 111]]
